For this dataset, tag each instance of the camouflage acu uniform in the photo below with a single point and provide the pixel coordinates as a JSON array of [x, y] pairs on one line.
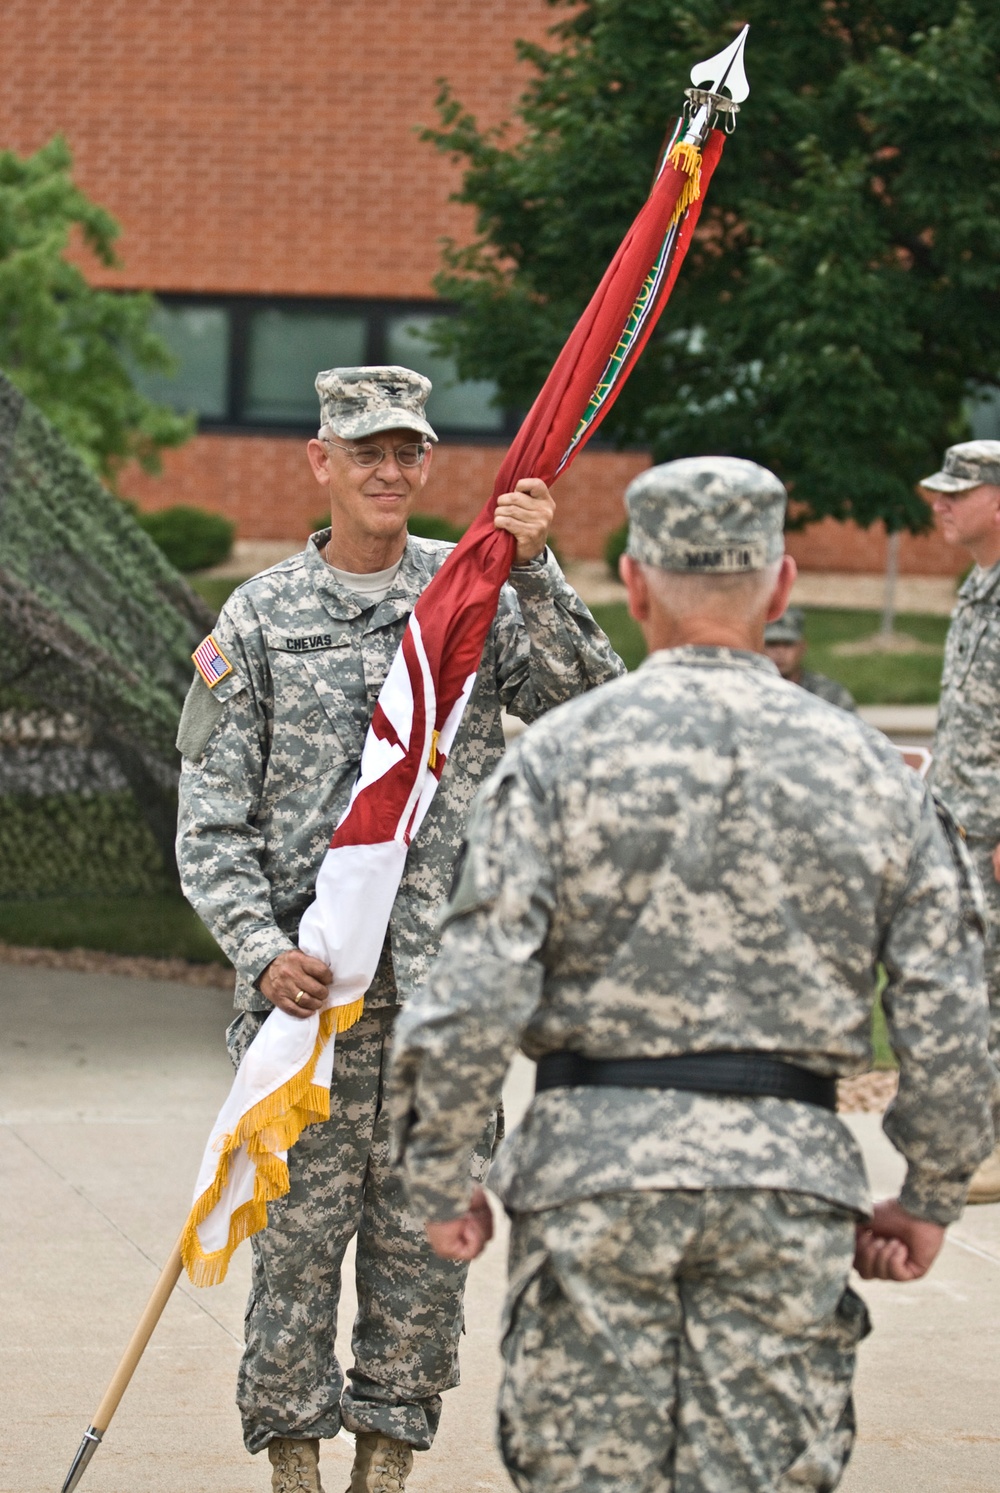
[[270, 757], [827, 689], [966, 766], [698, 858]]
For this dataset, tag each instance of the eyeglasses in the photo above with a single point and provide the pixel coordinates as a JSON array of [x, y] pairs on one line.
[[410, 455]]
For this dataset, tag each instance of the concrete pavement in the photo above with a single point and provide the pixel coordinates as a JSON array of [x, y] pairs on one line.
[[107, 1089]]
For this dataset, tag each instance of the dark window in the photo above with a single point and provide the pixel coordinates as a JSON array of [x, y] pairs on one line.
[[198, 337], [983, 410], [455, 404], [285, 351], [249, 363]]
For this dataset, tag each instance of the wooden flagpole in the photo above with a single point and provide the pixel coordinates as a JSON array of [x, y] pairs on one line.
[[104, 1413]]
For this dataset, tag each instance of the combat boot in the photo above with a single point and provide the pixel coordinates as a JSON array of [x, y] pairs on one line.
[[985, 1184], [380, 1464], [295, 1466]]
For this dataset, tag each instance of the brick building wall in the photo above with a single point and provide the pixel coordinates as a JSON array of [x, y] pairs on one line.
[[844, 547], [266, 486], [270, 149], [258, 147]]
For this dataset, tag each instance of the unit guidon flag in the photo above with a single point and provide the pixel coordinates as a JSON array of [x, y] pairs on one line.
[[283, 1082]]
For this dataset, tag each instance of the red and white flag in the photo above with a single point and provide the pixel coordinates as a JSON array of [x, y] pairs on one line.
[[283, 1082]]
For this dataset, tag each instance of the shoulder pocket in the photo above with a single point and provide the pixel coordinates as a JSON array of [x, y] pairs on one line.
[[970, 628], [970, 888], [475, 880], [203, 710]]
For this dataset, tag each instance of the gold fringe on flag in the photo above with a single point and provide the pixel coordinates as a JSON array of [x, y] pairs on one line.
[[272, 1125], [686, 159]]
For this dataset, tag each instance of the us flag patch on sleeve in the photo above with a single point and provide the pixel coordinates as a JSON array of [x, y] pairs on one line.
[[210, 661]]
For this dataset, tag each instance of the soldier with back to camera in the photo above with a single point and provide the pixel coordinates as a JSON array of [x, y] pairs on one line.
[[674, 898]]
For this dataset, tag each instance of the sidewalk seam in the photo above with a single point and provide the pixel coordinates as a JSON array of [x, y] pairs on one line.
[[179, 1289], [973, 1249]]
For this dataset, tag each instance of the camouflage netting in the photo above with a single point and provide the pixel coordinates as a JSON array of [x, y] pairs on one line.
[[96, 634]]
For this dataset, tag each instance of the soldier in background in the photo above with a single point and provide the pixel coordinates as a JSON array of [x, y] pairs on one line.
[[965, 769], [271, 737], [674, 897], [785, 646]]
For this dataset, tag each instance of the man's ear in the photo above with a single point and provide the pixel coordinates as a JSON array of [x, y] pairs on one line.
[[319, 460], [634, 581], [425, 465], [782, 592]]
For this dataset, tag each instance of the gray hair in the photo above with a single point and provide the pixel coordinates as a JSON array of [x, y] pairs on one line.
[[743, 593]]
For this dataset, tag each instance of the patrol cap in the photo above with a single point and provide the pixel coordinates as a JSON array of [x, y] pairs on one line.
[[355, 402], [788, 628], [967, 465], [706, 515]]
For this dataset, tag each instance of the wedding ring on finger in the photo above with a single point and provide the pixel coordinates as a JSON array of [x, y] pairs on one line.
[[297, 997]]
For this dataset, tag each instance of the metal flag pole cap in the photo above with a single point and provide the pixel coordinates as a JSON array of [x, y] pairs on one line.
[[723, 71], [88, 1446]]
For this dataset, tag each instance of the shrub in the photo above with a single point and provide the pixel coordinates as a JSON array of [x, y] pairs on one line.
[[191, 538], [432, 526], [76, 844], [614, 547]]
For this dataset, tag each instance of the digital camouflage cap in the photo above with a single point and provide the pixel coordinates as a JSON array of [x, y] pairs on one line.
[[706, 515], [788, 628], [967, 465], [357, 402]]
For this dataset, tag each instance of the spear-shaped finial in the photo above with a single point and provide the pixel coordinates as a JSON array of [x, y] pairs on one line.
[[707, 100]]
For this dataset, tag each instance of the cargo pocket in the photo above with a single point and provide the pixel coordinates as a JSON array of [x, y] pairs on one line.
[[960, 656], [523, 1278], [241, 1031], [828, 1410], [522, 1418], [973, 899], [486, 1146]]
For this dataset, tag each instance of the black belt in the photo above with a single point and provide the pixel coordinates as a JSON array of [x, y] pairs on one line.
[[732, 1073]]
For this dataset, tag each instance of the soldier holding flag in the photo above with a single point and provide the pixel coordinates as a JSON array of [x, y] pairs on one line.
[[271, 738]]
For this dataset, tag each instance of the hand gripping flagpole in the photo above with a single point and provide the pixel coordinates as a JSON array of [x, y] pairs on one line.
[[283, 1082]]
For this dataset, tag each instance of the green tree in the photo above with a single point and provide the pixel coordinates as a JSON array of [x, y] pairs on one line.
[[843, 292], [71, 348]]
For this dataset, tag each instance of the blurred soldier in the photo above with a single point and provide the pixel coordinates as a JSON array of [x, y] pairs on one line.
[[271, 736], [965, 496], [785, 646], [674, 896]]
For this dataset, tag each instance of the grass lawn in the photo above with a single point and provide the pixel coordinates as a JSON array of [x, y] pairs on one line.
[[161, 926], [873, 678], [882, 1054], [214, 590], [625, 635], [877, 678]]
